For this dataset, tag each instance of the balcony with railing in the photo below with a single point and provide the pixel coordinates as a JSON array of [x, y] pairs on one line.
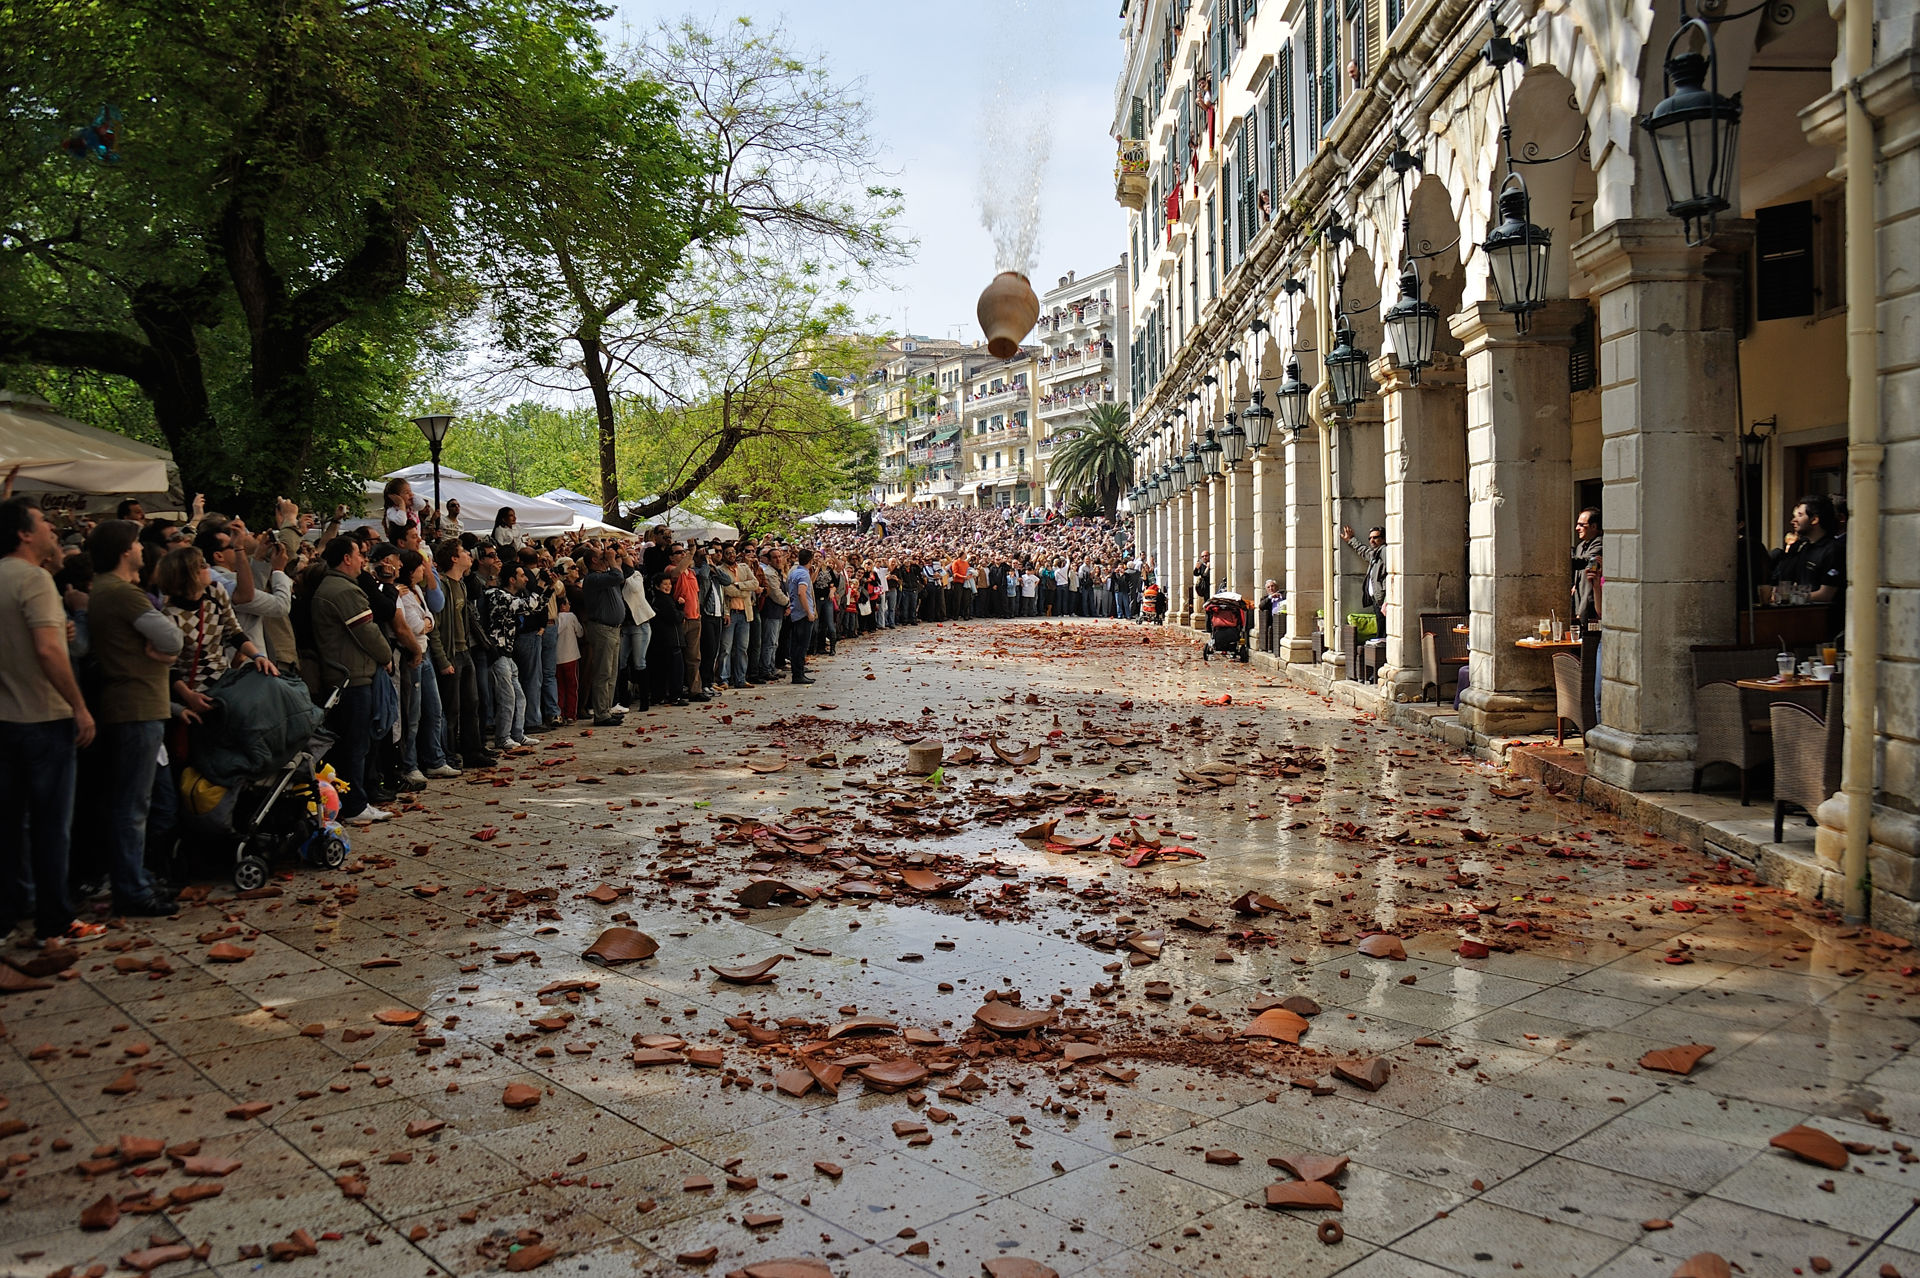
[[1077, 399], [1013, 475], [1078, 358], [934, 455], [1068, 318], [1008, 394], [1130, 173]]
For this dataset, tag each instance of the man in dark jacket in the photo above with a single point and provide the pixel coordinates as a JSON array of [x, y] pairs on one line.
[[602, 612], [346, 636]]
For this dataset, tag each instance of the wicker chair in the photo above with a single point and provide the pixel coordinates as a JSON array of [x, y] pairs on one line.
[[1732, 722], [1806, 756], [1572, 696], [1442, 652]]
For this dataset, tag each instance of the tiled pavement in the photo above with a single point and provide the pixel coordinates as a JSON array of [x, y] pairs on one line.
[[1529, 1141]]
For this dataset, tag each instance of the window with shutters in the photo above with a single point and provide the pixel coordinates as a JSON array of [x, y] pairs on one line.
[[1783, 261], [1396, 10], [1243, 212], [1583, 356], [1286, 164], [1312, 70], [1250, 174], [1329, 61], [1137, 119], [1222, 41], [1182, 138], [1271, 99]]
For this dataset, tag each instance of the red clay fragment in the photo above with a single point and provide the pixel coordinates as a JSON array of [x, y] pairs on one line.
[[1382, 945], [1223, 1158], [104, 1214], [782, 1269], [529, 1258], [226, 952], [425, 1126], [1675, 1060], [1277, 1023], [1006, 1018], [894, 1076], [1015, 1267], [1812, 1145], [758, 974], [152, 1258], [1706, 1264], [520, 1096], [1311, 1166], [401, 1016], [1370, 1073], [1314, 1195], [251, 1109], [619, 945]]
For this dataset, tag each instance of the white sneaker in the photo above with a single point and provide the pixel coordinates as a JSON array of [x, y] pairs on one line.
[[444, 771], [416, 777], [369, 815]]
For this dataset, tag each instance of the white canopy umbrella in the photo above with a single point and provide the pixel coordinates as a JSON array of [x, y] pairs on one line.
[[480, 502], [56, 454], [837, 517]]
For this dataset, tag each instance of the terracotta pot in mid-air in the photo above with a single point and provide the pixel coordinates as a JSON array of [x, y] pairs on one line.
[[1007, 311]]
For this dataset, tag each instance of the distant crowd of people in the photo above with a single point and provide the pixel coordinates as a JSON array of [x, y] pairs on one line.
[[438, 646]]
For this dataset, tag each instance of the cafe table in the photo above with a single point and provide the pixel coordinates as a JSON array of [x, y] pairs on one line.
[[1786, 684], [1569, 644]]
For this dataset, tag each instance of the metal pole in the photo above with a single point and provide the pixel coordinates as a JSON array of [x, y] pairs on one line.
[[434, 447]]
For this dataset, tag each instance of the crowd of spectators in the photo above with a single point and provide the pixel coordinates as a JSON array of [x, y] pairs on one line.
[[437, 646]]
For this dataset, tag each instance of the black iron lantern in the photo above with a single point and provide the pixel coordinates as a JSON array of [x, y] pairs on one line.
[[1257, 421], [1211, 453], [1346, 368], [1413, 325], [1517, 254], [1292, 395], [1191, 462], [1696, 135], [1233, 442]]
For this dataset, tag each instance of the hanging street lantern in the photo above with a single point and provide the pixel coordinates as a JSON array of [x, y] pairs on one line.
[[1517, 254], [1211, 453], [1346, 368], [1696, 135], [1292, 395], [1190, 461], [1413, 325], [1233, 442]]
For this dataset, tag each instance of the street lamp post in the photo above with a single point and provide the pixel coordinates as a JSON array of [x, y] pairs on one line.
[[434, 427]]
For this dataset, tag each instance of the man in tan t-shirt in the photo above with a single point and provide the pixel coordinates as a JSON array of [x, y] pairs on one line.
[[42, 721]]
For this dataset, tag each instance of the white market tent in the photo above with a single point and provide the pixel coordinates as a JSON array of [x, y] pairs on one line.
[[836, 517], [480, 502], [57, 455], [586, 516]]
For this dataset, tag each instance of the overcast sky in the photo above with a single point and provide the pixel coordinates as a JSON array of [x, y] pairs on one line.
[[930, 74]]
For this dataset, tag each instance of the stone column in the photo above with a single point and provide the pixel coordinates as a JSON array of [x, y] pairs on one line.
[[1222, 530], [1200, 510], [1426, 449], [1520, 484], [1240, 519], [1172, 575], [1669, 417], [1302, 545]]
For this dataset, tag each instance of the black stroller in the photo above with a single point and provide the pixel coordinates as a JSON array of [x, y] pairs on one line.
[[1229, 622], [257, 780]]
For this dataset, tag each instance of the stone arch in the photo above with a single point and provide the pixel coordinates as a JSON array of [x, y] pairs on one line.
[[1359, 291], [1545, 120], [1434, 235], [1305, 346]]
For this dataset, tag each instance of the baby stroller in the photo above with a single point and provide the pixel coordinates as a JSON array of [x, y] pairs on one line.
[[257, 781], [1229, 622]]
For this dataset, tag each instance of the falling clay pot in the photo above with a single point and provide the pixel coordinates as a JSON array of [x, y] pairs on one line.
[[1007, 311]]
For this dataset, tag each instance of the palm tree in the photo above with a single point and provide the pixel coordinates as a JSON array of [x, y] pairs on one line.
[[1098, 459]]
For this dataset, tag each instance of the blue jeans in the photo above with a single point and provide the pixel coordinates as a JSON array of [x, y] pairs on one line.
[[133, 755], [353, 738], [509, 704], [733, 651], [769, 644], [633, 643], [431, 746], [409, 715], [526, 660], [36, 812], [549, 672], [893, 608]]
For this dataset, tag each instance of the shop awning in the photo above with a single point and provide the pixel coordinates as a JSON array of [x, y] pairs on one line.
[[56, 454]]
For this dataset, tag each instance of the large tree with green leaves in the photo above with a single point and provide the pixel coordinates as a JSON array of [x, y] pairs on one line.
[[252, 260], [791, 217], [1097, 459]]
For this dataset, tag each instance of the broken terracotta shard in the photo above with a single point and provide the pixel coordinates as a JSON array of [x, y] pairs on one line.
[[1812, 1145], [530, 1257], [759, 974], [895, 1075], [1311, 1166], [1018, 758], [401, 1016], [520, 1096], [1383, 945], [761, 893], [1015, 1267], [1006, 1018], [1308, 1195], [1706, 1264], [783, 1268], [1370, 1073], [619, 945], [1675, 1060], [864, 1025], [1277, 1023]]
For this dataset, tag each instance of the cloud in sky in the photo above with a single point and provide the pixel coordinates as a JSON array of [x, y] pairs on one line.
[[930, 75]]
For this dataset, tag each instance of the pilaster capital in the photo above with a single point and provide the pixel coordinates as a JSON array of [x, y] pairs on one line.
[[1654, 249], [1447, 372], [1885, 91], [1484, 326]]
